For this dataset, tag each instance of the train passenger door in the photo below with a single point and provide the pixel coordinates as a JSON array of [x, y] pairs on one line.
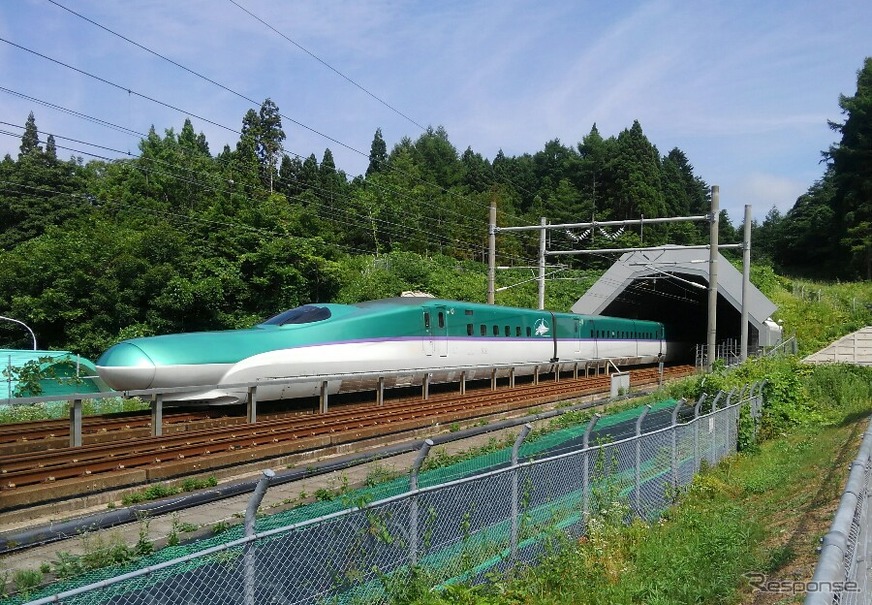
[[441, 331], [593, 339], [637, 336], [579, 326], [436, 331]]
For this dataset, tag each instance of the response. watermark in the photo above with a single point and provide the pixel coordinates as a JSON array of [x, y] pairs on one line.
[[763, 583]]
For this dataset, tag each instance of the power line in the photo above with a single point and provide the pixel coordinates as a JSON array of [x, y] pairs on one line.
[[442, 209], [334, 214], [380, 187], [255, 103], [72, 112], [118, 86], [325, 64]]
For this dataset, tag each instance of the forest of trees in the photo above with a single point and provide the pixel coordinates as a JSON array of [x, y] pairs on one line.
[[178, 238]]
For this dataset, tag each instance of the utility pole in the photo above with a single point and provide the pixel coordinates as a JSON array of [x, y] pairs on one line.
[[542, 222], [492, 253], [746, 281], [712, 329]]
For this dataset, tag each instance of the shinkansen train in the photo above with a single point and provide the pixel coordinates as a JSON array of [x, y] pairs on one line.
[[400, 334]]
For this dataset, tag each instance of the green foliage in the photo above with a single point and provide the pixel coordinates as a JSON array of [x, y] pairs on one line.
[[31, 374], [157, 491], [97, 553], [179, 239], [819, 313], [25, 580], [828, 232]]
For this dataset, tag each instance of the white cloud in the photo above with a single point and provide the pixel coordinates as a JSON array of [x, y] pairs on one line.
[[763, 191]]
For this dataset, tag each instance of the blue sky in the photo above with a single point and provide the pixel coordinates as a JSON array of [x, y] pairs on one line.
[[744, 88]]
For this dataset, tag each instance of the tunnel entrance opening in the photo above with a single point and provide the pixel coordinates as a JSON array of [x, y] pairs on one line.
[[671, 286]]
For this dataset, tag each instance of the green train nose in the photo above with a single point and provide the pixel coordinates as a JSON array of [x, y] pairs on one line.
[[126, 367]]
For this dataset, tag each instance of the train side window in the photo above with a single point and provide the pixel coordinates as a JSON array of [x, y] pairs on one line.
[[483, 329], [426, 320], [508, 331], [469, 329], [529, 332], [518, 331], [441, 319], [299, 315], [496, 330]]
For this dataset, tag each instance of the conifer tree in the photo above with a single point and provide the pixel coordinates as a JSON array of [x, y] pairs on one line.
[[30, 138], [378, 154], [269, 139], [851, 162], [51, 149]]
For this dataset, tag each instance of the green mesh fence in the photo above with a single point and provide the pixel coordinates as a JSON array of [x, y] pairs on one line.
[[489, 543]]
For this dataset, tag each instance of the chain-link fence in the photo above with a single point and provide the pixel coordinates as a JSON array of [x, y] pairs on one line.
[[462, 530], [842, 572]]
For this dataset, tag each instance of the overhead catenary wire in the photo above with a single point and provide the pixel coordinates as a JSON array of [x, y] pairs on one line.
[[325, 64], [404, 229], [386, 228], [441, 209], [255, 103]]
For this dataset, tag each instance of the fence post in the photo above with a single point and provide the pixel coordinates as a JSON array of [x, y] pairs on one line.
[[413, 505], [638, 466], [252, 404], [250, 518], [696, 409], [324, 398], [525, 430], [675, 444], [585, 479], [716, 399], [728, 429], [757, 406], [157, 414], [9, 381], [76, 423]]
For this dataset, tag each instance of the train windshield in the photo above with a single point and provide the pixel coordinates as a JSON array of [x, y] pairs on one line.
[[300, 315]]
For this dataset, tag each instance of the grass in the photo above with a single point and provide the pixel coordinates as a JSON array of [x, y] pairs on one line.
[[157, 491], [758, 514], [817, 312], [53, 410]]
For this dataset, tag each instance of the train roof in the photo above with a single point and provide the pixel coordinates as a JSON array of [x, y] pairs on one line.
[[414, 301]]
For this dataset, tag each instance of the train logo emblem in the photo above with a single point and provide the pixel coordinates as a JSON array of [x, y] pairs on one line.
[[541, 327]]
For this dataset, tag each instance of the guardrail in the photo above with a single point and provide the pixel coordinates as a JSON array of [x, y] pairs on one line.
[[842, 572]]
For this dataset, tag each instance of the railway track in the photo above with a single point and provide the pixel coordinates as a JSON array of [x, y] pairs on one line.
[[41, 432], [55, 473]]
